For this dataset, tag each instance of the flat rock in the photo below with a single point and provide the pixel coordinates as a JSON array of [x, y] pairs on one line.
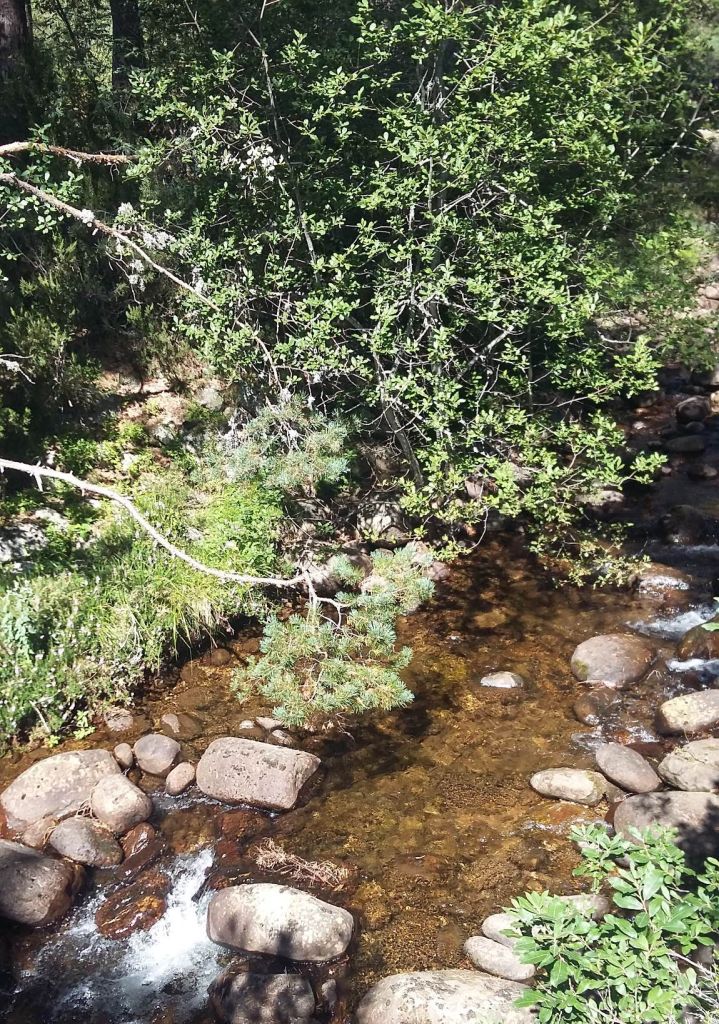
[[142, 846], [181, 776], [119, 719], [443, 997], [502, 680], [34, 889], [688, 444], [119, 804], [280, 921], [694, 815], [497, 958], [244, 771], [615, 659], [135, 908], [626, 768], [156, 753], [575, 784], [691, 713], [84, 841], [694, 767], [262, 999], [588, 904]]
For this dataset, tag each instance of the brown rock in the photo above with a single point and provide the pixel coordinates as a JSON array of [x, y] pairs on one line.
[[142, 847], [124, 756], [615, 659], [242, 824], [119, 804], [84, 841], [595, 708], [244, 771], [34, 889], [699, 643], [135, 908], [181, 725], [218, 658]]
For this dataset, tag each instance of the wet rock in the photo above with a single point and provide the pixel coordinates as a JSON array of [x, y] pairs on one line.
[[691, 713], [119, 719], [443, 997], [56, 787], [181, 726], [219, 657], [495, 926], [84, 841], [492, 619], [142, 846], [702, 471], [595, 708], [694, 409], [626, 768], [503, 680], [615, 659], [685, 525], [694, 767], [119, 804], [135, 908], [280, 921], [498, 959], [242, 824], [688, 444], [34, 889], [575, 784], [262, 999], [124, 756], [244, 771], [181, 776], [699, 643], [694, 815], [662, 581], [156, 753]]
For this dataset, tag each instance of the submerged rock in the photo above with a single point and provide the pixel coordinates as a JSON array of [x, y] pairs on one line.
[[690, 713], [688, 444], [56, 787], [575, 784], [699, 643], [83, 840], [627, 768], [280, 921], [685, 525], [595, 708], [262, 999], [119, 804], [694, 815], [34, 889], [497, 958], [156, 753], [245, 771], [502, 680], [694, 767], [443, 997], [142, 846], [615, 659], [135, 908]]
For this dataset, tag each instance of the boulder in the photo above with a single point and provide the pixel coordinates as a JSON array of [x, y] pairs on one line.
[[627, 768], [181, 776], [156, 753], [694, 409], [124, 756], [34, 889], [84, 841], [694, 767], [262, 999], [699, 643], [280, 921], [119, 804], [615, 659], [245, 771], [694, 815], [575, 784], [219, 657], [691, 713], [502, 680], [497, 958], [56, 787], [688, 444], [142, 846], [443, 997]]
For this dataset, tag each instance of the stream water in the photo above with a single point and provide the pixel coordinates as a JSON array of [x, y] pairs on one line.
[[429, 807]]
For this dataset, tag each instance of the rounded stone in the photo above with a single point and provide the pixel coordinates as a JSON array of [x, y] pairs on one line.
[[699, 642], [595, 708], [84, 841], [244, 771], [181, 776], [574, 784], [688, 444], [181, 725], [689, 714], [502, 680], [262, 999], [626, 768], [156, 753], [693, 410], [694, 767], [443, 997], [219, 657], [34, 889], [496, 925], [124, 756], [119, 804], [497, 958], [615, 659]]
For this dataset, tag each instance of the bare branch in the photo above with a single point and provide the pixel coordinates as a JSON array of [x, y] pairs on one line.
[[13, 148]]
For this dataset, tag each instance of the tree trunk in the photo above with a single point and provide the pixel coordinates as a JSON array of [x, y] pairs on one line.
[[127, 42], [14, 34]]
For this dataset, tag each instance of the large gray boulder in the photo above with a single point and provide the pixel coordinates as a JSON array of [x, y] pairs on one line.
[[262, 999], [56, 787], [280, 921], [626, 768], [34, 889], [84, 841], [694, 767], [691, 713], [443, 997], [245, 771], [694, 815], [575, 784], [615, 659], [120, 804]]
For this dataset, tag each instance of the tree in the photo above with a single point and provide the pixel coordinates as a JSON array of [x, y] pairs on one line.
[[14, 34], [127, 41]]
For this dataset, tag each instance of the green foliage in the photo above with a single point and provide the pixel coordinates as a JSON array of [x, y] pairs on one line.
[[630, 966], [314, 666]]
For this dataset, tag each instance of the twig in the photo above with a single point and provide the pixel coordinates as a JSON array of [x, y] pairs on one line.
[[13, 148]]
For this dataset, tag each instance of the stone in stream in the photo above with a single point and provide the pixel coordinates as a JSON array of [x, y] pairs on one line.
[[691, 713], [693, 410], [495, 926], [626, 768], [699, 643], [181, 776], [156, 753], [443, 997], [119, 719], [575, 784], [124, 756], [262, 999], [181, 725], [142, 846], [685, 525], [595, 708], [689, 444], [280, 921], [615, 659], [84, 841], [502, 680], [694, 767], [245, 771], [34, 889], [694, 815], [56, 787], [497, 958], [135, 908], [119, 804]]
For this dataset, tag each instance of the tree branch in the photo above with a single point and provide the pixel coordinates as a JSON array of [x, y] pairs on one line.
[[43, 472], [88, 217], [13, 148]]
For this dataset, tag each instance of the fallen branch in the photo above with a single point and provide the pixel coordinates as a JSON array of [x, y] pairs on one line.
[[88, 217], [80, 157], [43, 472]]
